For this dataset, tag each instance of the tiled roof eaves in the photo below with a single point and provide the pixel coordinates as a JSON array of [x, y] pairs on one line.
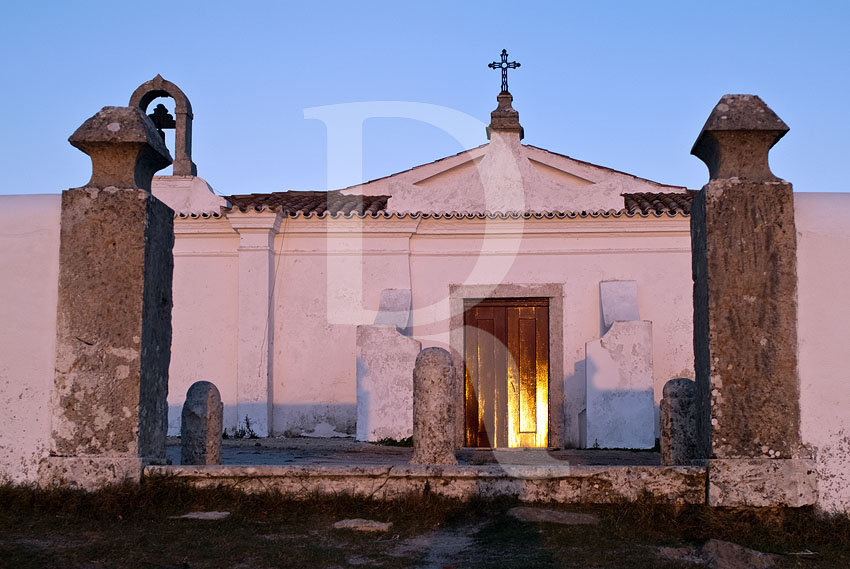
[[646, 202], [333, 205], [609, 214], [198, 215]]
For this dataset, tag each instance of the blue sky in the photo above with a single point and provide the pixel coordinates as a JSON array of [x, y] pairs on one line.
[[627, 85]]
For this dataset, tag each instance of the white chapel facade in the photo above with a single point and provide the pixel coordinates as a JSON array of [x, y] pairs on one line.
[[561, 288]]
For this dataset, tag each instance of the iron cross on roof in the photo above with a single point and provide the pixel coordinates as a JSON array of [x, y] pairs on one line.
[[504, 65]]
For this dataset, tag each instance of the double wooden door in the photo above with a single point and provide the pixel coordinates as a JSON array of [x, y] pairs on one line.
[[506, 370]]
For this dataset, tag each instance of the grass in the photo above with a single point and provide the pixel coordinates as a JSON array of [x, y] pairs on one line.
[[131, 526]]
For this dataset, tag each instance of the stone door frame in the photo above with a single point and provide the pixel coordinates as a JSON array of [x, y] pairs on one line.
[[555, 293]]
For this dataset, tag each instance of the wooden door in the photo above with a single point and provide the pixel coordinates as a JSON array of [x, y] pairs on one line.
[[506, 371]]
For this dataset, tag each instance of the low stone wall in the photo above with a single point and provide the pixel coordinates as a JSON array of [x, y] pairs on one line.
[[562, 484]]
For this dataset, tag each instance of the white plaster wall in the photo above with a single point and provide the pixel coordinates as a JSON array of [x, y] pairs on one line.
[[823, 270], [578, 253], [204, 317], [329, 275], [29, 265]]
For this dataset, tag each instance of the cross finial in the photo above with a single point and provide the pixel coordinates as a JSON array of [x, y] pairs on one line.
[[504, 65]]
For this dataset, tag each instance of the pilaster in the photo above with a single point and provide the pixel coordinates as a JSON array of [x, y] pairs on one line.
[[255, 344]]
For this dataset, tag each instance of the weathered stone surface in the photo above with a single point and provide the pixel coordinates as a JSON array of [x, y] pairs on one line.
[[505, 118], [124, 147], [88, 472], [620, 408], [725, 555], [434, 378], [762, 482], [359, 524], [717, 554], [113, 321], [583, 484], [678, 422], [745, 290], [618, 301], [736, 139], [526, 514], [201, 425], [202, 516], [385, 360], [113, 324]]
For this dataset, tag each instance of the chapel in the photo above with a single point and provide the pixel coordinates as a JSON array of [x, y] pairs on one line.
[[505, 298], [561, 288]]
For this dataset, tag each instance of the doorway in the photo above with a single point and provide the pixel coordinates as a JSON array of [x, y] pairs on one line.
[[506, 372]]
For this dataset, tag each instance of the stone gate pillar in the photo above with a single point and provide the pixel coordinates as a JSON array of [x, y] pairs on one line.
[[113, 329], [745, 313]]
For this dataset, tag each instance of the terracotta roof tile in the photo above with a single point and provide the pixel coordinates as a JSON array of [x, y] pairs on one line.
[[312, 203], [335, 204], [645, 203]]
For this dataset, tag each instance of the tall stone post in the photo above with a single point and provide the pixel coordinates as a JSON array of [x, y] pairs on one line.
[[113, 330], [255, 348], [434, 379], [745, 313]]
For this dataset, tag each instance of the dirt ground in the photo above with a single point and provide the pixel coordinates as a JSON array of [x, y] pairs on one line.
[[141, 527]]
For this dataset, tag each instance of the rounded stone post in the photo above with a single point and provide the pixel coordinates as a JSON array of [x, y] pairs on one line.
[[434, 408], [200, 429], [678, 422]]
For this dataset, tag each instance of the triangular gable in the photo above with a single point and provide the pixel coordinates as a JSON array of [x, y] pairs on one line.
[[506, 176]]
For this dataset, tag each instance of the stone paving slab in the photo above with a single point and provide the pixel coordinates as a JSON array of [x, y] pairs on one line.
[[347, 451]]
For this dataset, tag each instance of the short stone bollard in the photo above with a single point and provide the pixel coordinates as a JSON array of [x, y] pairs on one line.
[[200, 429], [678, 422], [434, 408]]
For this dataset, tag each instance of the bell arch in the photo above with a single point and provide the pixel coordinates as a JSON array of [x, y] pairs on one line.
[[157, 87]]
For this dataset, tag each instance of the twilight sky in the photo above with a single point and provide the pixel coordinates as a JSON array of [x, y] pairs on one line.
[[626, 85]]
